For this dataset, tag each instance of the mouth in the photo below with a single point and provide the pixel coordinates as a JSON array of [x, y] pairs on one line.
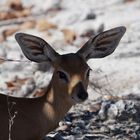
[[75, 99]]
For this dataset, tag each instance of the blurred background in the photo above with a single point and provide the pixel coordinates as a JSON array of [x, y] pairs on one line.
[[67, 25]]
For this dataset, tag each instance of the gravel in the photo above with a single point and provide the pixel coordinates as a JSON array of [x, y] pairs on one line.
[[118, 120]]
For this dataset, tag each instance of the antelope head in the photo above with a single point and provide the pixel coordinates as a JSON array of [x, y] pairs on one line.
[[71, 71]]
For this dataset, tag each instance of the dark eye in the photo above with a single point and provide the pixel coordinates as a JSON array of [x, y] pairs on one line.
[[88, 73], [62, 76]]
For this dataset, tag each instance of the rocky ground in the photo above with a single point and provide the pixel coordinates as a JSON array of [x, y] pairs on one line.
[[112, 110], [109, 119]]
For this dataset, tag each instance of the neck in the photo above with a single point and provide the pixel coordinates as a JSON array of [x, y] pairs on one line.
[[55, 107]]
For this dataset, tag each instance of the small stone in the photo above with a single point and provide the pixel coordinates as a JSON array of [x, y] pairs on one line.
[[62, 128], [71, 137], [69, 117], [107, 97], [108, 122], [61, 123], [120, 105], [101, 28], [28, 88], [103, 111], [54, 136], [104, 129], [95, 108], [81, 124], [68, 123], [112, 112], [88, 33], [91, 16]]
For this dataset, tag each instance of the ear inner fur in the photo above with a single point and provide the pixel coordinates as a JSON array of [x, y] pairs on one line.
[[103, 44]]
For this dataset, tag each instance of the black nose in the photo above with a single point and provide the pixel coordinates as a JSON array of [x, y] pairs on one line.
[[82, 95], [80, 91]]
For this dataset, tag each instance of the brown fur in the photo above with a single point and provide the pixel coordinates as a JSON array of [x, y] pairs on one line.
[[36, 117], [32, 119]]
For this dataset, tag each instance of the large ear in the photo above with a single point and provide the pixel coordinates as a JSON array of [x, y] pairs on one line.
[[35, 48], [103, 44]]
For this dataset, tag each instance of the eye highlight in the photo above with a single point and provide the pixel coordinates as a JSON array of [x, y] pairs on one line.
[[63, 76]]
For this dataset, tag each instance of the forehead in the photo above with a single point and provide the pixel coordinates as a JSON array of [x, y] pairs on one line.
[[72, 63]]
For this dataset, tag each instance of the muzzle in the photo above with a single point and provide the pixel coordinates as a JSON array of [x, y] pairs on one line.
[[79, 93]]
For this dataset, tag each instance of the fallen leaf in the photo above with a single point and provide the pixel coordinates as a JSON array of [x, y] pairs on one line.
[[8, 32], [14, 87], [21, 81], [15, 4], [15, 10], [38, 93], [24, 13], [16, 84], [2, 60], [7, 15], [1, 38], [69, 35], [15, 14], [10, 84], [109, 97], [27, 25], [95, 107], [43, 25]]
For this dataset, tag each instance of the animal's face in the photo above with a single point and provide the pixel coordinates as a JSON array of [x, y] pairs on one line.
[[71, 77]]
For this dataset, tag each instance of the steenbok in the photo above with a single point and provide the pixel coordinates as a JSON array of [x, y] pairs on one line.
[[32, 119]]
